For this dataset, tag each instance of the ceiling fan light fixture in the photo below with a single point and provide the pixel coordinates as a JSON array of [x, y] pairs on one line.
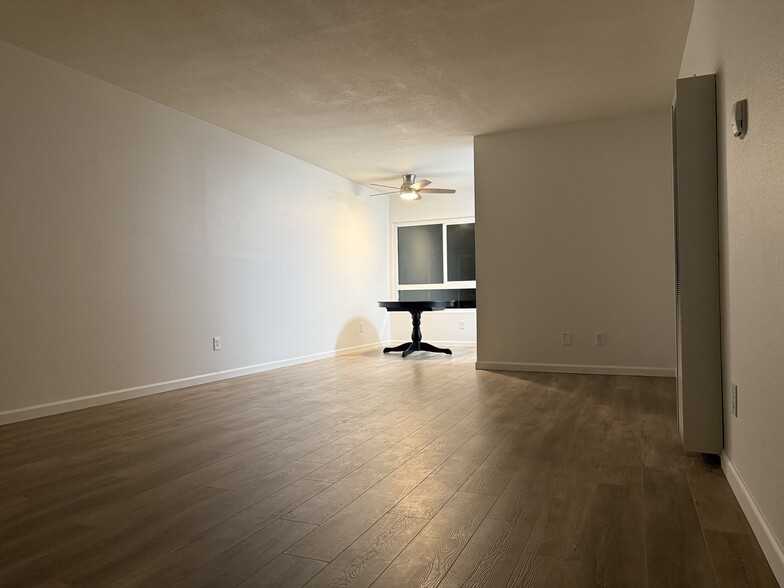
[[409, 195]]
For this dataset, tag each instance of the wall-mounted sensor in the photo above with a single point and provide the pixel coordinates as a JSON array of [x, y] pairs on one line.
[[739, 121]]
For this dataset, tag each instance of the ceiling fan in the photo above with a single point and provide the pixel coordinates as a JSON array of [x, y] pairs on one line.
[[410, 189]]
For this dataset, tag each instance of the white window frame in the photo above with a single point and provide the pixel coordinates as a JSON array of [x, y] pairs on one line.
[[446, 285]]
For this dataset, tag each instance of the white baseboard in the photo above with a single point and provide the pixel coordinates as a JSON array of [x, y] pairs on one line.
[[612, 370], [40, 410], [767, 539]]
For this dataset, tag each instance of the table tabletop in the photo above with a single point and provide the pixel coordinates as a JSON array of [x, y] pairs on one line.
[[420, 305]]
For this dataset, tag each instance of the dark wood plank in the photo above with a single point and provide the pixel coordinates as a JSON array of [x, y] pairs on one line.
[[321, 507], [717, 507], [626, 399], [657, 396], [676, 553], [429, 556], [564, 511], [364, 560], [492, 476], [611, 543], [621, 456], [285, 571], [128, 547], [247, 557], [429, 496], [266, 483], [490, 556], [661, 446], [32, 564], [337, 533], [525, 493], [739, 560], [541, 571], [170, 567]]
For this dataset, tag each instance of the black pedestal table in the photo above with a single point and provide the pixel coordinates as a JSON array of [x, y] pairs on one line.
[[416, 308]]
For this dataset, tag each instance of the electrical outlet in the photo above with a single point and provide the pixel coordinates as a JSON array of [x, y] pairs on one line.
[[734, 400], [361, 327], [461, 325], [566, 339], [216, 346], [600, 339]]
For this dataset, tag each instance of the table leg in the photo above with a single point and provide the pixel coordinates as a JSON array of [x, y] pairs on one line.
[[413, 346], [402, 347], [428, 347], [416, 333]]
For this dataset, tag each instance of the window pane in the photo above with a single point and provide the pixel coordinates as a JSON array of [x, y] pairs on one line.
[[460, 253], [463, 297], [420, 255]]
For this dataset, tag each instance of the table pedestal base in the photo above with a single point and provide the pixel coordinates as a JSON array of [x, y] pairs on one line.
[[416, 343], [411, 346]]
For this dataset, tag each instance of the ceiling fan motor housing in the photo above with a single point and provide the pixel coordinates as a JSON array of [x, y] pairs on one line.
[[408, 179]]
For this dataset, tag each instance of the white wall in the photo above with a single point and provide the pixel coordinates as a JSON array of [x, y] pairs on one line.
[[744, 46], [131, 234], [437, 327], [575, 233]]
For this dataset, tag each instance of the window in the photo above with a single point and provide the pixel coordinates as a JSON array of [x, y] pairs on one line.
[[436, 261]]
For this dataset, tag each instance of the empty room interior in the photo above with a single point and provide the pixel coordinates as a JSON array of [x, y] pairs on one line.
[[391, 293]]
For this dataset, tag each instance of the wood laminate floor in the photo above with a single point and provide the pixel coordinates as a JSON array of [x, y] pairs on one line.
[[372, 470]]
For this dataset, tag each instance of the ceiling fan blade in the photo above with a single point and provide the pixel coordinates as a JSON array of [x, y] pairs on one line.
[[385, 193], [420, 184], [437, 191], [383, 186]]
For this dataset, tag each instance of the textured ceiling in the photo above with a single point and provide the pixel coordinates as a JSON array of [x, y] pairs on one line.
[[370, 89]]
